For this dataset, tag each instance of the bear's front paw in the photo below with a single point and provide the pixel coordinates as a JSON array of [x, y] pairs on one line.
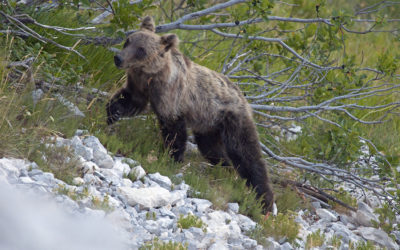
[[113, 113]]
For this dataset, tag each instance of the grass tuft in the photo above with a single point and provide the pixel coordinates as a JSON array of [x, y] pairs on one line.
[[186, 222]]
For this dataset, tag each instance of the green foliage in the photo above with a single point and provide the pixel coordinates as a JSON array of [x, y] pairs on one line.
[[287, 200], [222, 185], [97, 202], [315, 239], [190, 220], [361, 245], [344, 196], [126, 14], [62, 189], [262, 7], [102, 204], [58, 160], [388, 62], [151, 216], [336, 241], [328, 143], [387, 218], [157, 244], [283, 225]]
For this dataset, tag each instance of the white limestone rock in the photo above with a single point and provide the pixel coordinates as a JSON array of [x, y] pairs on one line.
[[100, 154], [326, 215], [234, 207], [122, 169], [222, 224], [377, 236], [163, 181], [146, 197], [80, 149], [201, 204], [138, 172]]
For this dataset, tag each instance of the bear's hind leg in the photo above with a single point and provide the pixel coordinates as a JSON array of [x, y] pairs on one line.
[[211, 147], [175, 135], [242, 146]]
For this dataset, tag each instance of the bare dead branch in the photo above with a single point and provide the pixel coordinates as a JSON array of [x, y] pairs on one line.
[[32, 33]]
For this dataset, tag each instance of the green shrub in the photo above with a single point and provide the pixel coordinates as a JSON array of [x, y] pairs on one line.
[[185, 222], [315, 239], [280, 226], [157, 244]]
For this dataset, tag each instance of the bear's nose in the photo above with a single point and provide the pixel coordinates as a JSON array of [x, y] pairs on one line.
[[117, 61]]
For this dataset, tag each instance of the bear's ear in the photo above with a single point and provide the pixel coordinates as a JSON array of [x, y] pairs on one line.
[[148, 24], [169, 41]]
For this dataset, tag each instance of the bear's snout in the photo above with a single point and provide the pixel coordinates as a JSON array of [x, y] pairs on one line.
[[118, 61]]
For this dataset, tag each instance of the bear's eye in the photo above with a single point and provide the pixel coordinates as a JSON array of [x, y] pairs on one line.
[[140, 53], [126, 43]]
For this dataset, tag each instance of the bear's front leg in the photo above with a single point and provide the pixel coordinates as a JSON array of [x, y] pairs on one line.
[[175, 135], [124, 104]]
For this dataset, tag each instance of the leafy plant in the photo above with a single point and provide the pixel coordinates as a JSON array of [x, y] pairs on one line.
[[315, 239], [126, 14], [345, 197], [157, 244], [151, 216], [361, 245], [281, 226], [103, 204], [188, 221], [336, 241], [387, 218]]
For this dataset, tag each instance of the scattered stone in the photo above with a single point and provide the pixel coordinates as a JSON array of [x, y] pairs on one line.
[[81, 132], [71, 106], [88, 167], [234, 207], [138, 172], [126, 182], [163, 181], [286, 246], [165, 212], [271, 244], [316, 204], [149, 206], [26, 180], [78, 181], [44, 179], [146, 197], [100, 155], [152, 227], [377, 236], [121, 169], [177, 196], [130, 162], [365, 218], [201, 204], [219, 245], [246, 224], [191, 148], [324, 214], [111, 176], [249, 243], [37, 94], [221, 224], [80, 149]]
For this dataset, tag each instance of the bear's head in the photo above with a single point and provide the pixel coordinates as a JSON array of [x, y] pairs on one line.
[[145, 49]]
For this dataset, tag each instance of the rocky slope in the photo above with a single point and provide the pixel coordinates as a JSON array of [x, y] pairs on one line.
[[106, 210]]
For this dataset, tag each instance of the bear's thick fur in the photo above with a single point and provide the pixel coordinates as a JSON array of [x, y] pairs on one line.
[[184, 94]]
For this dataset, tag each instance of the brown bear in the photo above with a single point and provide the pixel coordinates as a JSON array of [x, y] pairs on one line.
[[184, 94]]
